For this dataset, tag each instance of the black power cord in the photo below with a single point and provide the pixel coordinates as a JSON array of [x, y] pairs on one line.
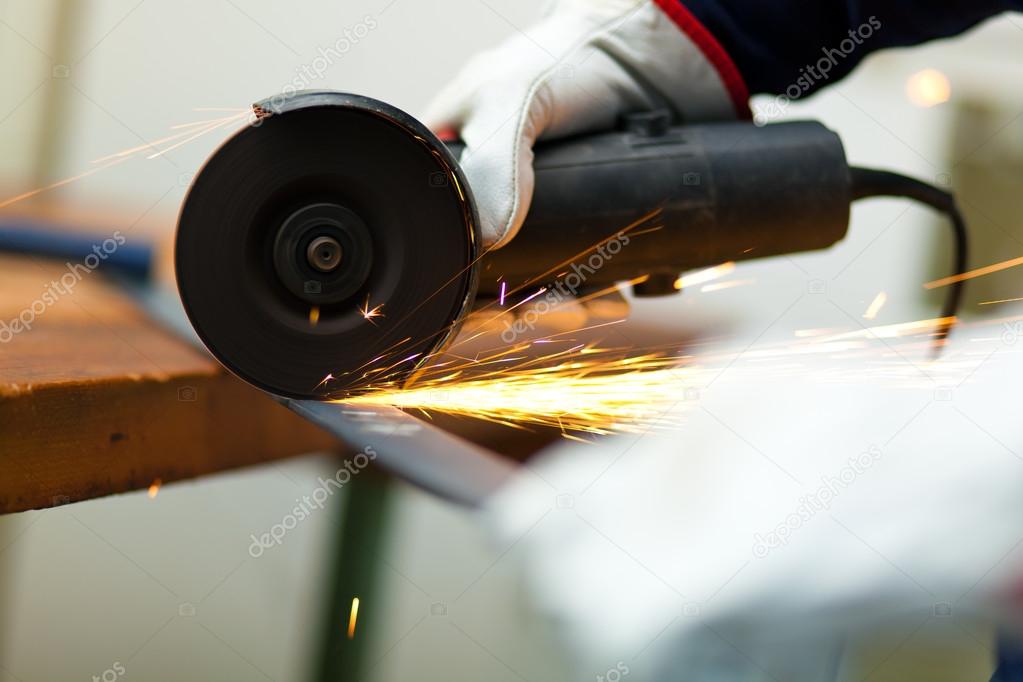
[[867, 183]]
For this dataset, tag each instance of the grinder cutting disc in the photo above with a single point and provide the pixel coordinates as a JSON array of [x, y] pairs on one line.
[[299, 227]]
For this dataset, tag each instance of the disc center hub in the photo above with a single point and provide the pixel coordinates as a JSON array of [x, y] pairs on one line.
[[323, 253]]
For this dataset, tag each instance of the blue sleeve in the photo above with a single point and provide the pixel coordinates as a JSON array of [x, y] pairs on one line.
[[795, 47]]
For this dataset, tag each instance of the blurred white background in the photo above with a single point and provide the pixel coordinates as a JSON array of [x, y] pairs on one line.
[[119, 580]]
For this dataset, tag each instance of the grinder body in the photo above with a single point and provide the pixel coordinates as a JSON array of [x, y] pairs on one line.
[[726, 192], [389, 200]]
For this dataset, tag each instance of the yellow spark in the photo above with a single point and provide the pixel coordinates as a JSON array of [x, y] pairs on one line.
[[371, 313], [352, 617], [891, 331], [593, 395], [704, 276], [314, 315], [928, 88], [1004, 300], [979, 272], [809, 333], [875, 306], [154, 488], [721, 286]]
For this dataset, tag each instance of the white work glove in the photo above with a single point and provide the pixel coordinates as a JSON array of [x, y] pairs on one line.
[[788, 518], [578, 70]]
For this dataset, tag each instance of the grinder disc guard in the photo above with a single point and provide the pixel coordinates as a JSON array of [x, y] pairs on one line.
[[332, 205]]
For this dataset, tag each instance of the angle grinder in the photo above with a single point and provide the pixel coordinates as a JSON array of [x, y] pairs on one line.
[[336, 227]]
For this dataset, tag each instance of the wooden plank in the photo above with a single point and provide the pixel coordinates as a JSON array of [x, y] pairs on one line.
[[95, 399]]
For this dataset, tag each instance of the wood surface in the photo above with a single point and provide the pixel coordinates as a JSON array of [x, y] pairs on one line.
[[96, 399]]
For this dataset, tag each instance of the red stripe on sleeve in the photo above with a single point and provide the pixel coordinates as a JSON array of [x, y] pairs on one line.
[[734, 83]]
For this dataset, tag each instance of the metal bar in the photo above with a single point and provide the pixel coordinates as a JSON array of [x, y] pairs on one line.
[[409, 448]]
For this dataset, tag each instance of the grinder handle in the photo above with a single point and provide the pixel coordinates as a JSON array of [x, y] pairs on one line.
[[723, 191]]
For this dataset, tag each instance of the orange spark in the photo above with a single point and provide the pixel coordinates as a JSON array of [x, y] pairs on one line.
[[197, 135], [192, 132], [59, 183], [1004, 300], [588, 390], [352, 617], [979, 272], [154, 488], [371, 313], [891, 331]]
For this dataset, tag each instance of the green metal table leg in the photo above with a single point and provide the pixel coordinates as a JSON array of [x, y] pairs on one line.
[[354, 574]]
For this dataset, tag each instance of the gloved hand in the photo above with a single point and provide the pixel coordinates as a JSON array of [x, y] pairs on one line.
[[578, 70]]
